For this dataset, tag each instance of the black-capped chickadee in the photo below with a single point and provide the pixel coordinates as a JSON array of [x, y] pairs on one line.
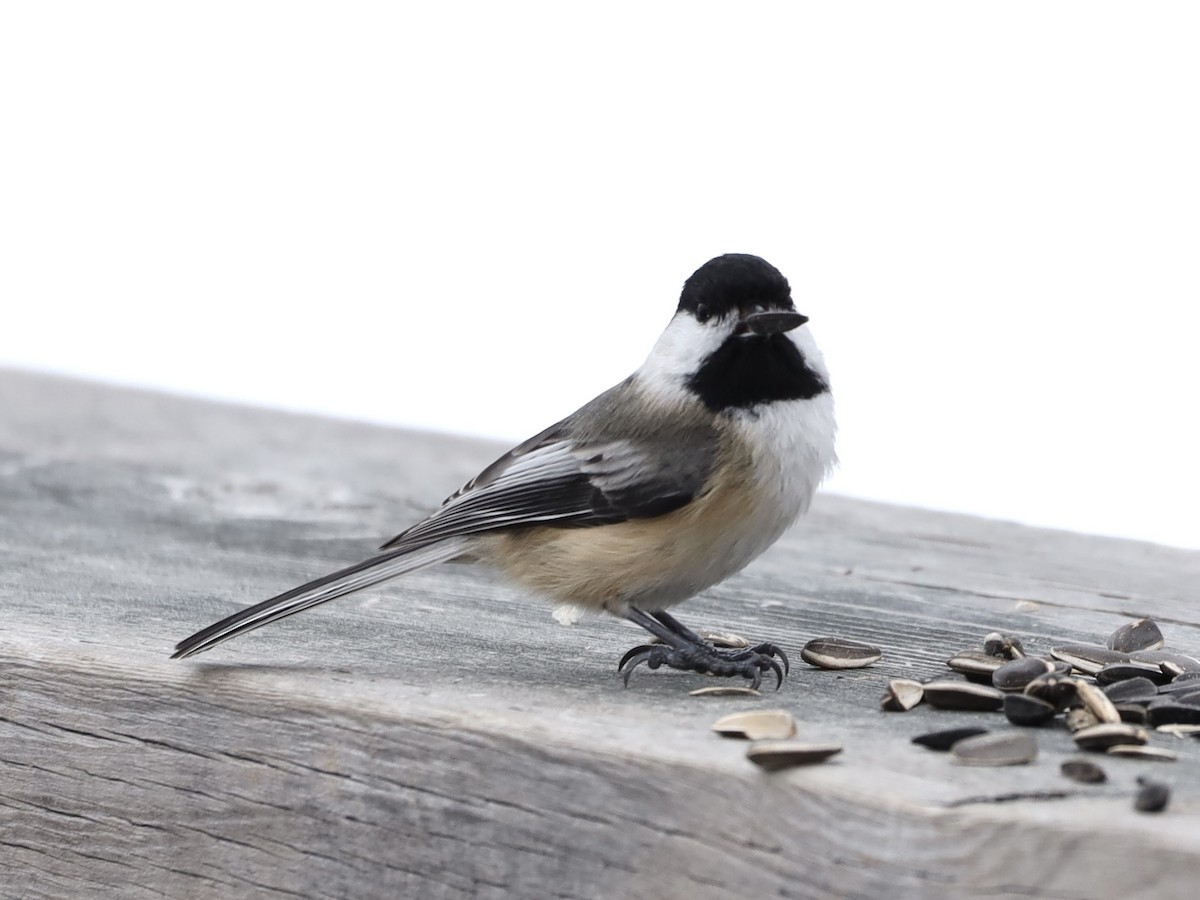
[[657, 489]]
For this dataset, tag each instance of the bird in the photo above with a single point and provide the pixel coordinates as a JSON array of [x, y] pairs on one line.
[[657, 489]]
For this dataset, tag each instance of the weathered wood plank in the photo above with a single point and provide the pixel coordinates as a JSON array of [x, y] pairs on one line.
[[442, 736]]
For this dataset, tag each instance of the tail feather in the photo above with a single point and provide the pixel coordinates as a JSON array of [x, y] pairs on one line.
[[328, 587]]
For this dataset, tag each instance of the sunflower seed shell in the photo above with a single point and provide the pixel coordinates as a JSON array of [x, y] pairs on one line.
[[1097, 702], [725, 690], [902, 695], [1084, 771], [1101, 737], [1141, 751], [839, 653], [775, 755], [1006, 748], [1088, 658], [757, 725]]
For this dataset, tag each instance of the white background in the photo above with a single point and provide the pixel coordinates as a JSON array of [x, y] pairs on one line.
[[473, 217]]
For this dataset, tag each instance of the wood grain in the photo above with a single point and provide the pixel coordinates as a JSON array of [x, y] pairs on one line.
[[442, 736]]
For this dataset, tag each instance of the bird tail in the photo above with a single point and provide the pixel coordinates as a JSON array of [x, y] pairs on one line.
[[328, 587]]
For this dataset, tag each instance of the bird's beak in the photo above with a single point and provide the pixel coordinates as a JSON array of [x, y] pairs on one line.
[[773, 321]]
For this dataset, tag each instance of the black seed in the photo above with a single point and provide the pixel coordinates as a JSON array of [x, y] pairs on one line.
[[1084, 771], [1124, 671], [1142, 634], [963, 695], [1015, 674], [1054, 688], [1133, 713], [1168, 712], [1180, 686], [1135, 690], [1003, 645], [1022, 709], [1158, 657], [944, 740], [1153, 796]]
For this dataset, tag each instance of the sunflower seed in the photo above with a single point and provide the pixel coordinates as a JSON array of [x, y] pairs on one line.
[[1133, 713], [1003, 645], [1134, 690], [944, 740], [1180, 730], [1097, 702], [1015, 674], [757, 724], [1084, 771], [774, 755], [1008, 748], [1142, 634], [839, 653], [1181, 685], [724, 690], [1153, 796], [1088, 658], [1114, 673], [1184, 662], [977, 666], [1021, 709], [725, 639], [1139, 751], [902, 695], [1168, 712], [1054, 688], [1101, 737], [963, 695]]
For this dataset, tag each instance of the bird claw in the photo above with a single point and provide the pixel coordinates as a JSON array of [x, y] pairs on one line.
[[706, 659]]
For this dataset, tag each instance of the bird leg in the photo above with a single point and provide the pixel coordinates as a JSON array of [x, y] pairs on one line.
[[682, 648]]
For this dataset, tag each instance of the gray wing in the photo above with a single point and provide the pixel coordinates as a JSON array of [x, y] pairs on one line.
[[604, 464], [594, 468]]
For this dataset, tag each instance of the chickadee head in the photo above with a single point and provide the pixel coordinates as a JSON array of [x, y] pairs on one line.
[[729, 345], [742, 294]]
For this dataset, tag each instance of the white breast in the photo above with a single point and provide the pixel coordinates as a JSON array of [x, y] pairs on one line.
[[791, 451]]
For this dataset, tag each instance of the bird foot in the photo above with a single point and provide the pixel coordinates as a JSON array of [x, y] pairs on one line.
[[749, 662]]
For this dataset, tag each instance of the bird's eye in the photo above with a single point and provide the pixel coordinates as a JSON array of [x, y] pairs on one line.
[[703, 313]]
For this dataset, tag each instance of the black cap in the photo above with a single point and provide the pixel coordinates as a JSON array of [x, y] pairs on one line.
[[735, 282]]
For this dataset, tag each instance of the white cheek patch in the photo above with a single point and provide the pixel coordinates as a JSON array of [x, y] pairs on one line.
[[803, 339], [679, 352]]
